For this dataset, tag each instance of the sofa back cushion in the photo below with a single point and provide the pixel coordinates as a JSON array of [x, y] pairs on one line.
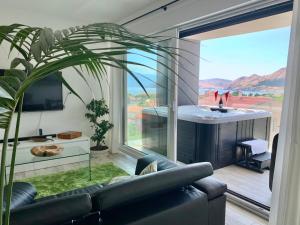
[[22, 194], [52, 212], [143, 187]]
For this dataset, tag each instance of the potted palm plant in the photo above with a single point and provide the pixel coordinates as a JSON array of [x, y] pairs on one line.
[[42, 51], [96, 110]]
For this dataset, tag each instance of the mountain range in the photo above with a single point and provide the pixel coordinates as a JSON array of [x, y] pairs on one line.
[[273, 82], [270, 82]]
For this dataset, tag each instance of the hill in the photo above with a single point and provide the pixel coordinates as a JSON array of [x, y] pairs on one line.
[[269, 82], [215, 83], [254, 82]]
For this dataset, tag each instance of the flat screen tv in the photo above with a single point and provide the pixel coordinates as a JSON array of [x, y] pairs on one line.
[[44, 95]]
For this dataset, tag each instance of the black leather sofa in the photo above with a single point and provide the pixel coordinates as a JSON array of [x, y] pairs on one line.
[[212, 189], [175, 195]]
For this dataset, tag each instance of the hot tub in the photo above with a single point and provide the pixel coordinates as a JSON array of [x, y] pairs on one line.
[[205, 135]]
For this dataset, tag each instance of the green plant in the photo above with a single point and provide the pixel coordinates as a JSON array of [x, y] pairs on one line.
[[42, 51], [98, 109]]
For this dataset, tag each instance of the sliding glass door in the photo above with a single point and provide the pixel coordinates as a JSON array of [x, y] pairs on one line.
[[241, 69]]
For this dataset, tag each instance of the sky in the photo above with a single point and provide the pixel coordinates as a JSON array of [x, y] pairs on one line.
[[231, 57], [144, 58]]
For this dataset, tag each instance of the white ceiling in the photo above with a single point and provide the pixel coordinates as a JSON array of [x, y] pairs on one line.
[[83, 11]]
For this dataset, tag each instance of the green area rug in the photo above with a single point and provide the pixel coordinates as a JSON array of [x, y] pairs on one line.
[[59, 182]]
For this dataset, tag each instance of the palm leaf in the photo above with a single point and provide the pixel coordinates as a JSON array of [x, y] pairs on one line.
[[7, 33], [66, 84]]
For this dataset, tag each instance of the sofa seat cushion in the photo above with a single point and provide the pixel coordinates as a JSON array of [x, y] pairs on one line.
[[86, 190], [162, 163], [22, 194], [211, 186]]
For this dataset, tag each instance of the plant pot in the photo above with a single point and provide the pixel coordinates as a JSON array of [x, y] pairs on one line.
[[100, 148]]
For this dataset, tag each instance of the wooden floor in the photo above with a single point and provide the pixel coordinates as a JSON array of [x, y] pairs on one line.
[[246, 182], [235, 215]]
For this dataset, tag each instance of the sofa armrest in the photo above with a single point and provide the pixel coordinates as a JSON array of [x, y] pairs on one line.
[[52, 212], [211, 186]]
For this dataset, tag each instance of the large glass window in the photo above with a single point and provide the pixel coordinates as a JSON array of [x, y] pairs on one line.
[[137, 99], [146, 103], [251, 67]]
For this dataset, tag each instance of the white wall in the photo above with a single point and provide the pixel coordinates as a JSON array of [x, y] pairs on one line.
[[72, 117]]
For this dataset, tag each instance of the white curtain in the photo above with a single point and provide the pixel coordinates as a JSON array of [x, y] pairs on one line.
[[285, 208]]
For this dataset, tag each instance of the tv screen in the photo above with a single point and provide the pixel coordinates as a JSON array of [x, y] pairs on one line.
[[45, 94]]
